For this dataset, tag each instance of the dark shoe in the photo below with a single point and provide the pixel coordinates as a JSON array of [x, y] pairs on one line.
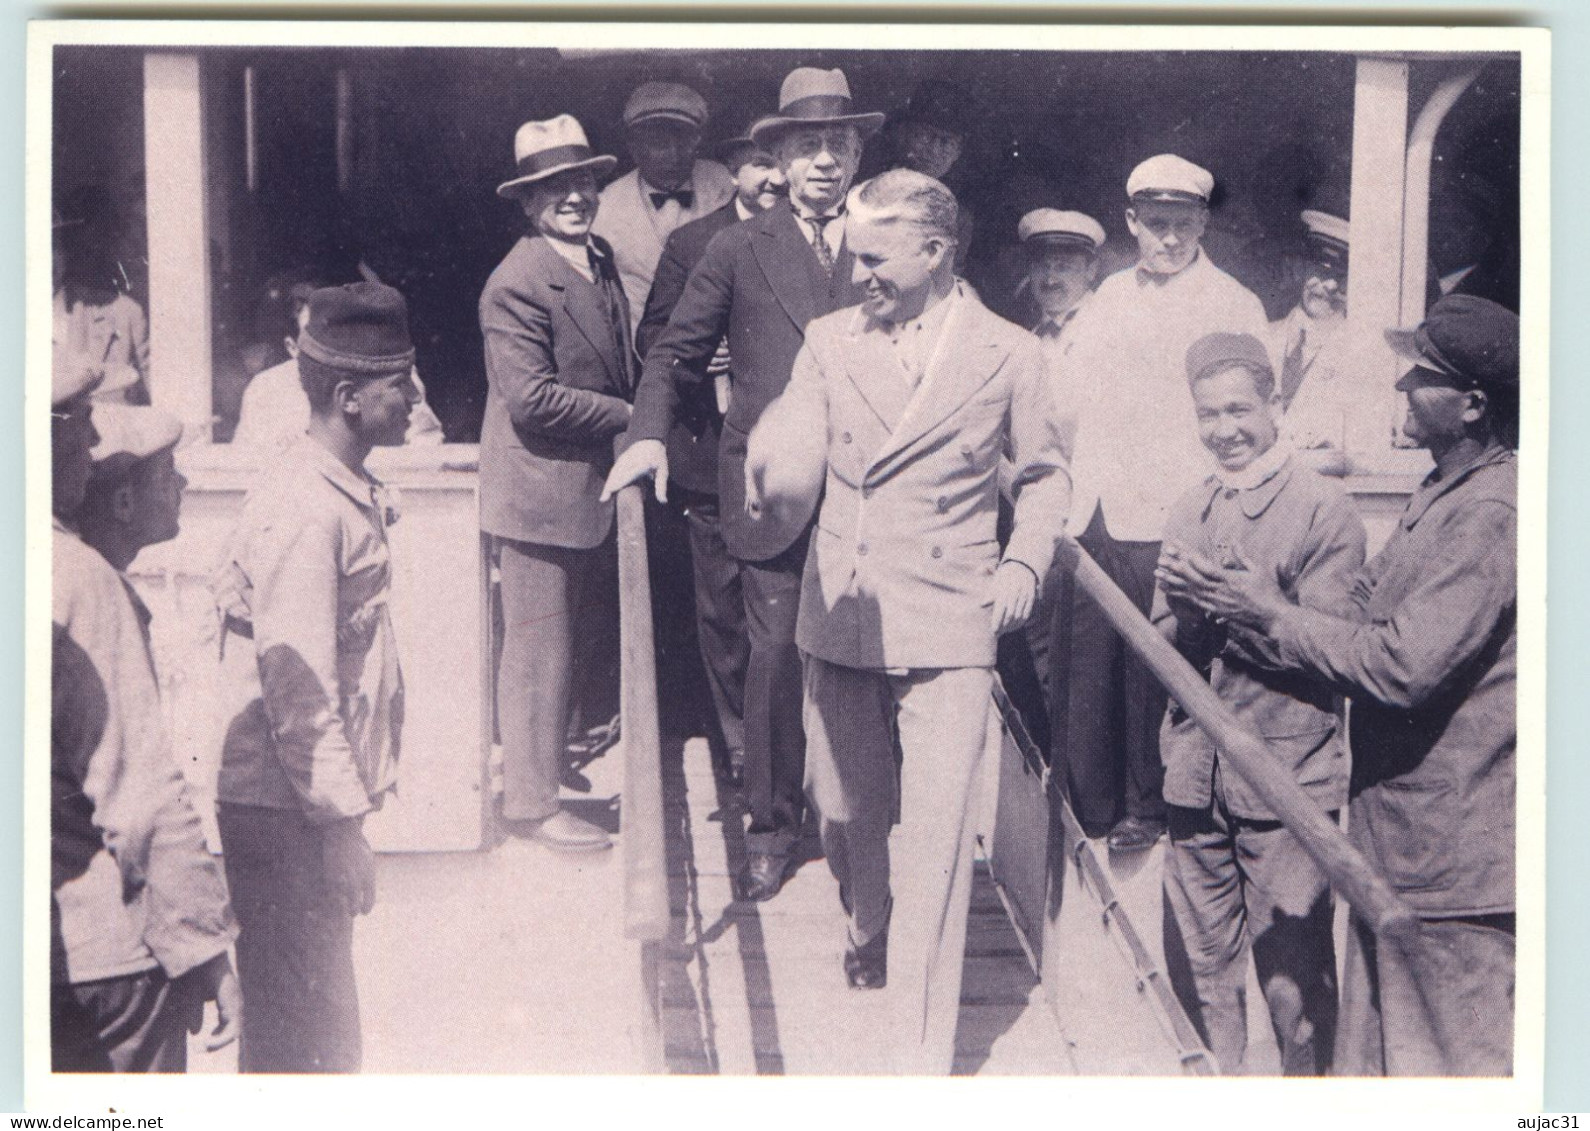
[[1134, 834], [731, 773], [763, 876], [564, 832], [867, 965]]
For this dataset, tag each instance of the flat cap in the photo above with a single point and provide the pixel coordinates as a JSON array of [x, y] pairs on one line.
[[1464, 342], [665, 101], [1217, 351], [1168, 177], [361, 329], [133, 432], [1052, 225]]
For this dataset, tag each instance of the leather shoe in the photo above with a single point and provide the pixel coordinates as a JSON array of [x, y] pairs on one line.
[[1134, 834], [731, 773], [867, 965], [763, 876], [564, 832]]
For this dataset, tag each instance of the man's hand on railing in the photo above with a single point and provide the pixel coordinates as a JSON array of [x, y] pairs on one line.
[[1236, 594], [640, 459], [1015, 593]]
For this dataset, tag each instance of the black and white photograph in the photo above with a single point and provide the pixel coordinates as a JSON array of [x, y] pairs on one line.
[[786, 550]]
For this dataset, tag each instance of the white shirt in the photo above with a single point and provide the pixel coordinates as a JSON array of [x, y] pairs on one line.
[[833, 231], [578, 255], [1137, 446], [915, 339], [1313, 353], [1056, 340]]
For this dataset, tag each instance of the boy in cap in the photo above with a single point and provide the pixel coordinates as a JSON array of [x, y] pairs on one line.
[[668, 188], [1236, 880], [692, 449], [560, 372], [310, 661], [140, 924], [1429, 656], [1136, 452], [1311, 345], [758, 285]]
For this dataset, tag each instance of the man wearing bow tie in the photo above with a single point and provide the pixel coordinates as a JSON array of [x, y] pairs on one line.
[[1136, 451], [759, 284], [667, 189]]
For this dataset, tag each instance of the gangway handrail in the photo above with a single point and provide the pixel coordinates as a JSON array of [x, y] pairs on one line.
[[1364, 888], [644, 836]]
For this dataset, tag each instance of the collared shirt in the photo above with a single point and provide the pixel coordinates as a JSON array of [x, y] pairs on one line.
[[113, 336], [314, 695], [1137, 446], [133, 885], [742, 211], [1430, 660], [578, 255], [833, 231], [1300, 528], [275, 412], [914, 340], [1055, 342]]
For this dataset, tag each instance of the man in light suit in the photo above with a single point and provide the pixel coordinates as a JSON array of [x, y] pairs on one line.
[[758, 285], [692, 449], [668, 188], [560, 369], [900, 410]]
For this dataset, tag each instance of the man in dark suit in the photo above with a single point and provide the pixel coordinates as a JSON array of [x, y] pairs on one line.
[[560, 371], [692, 449], [759, 283]]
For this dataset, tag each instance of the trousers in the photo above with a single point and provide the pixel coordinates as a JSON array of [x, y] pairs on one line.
[[720, 620], [295, 949], [135, 1023], [555, 612], [1105, 706], [1234, 887], [775, 738], [893, 765], [1442, 1007]]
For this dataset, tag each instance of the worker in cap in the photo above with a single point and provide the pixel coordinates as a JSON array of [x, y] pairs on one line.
[[1313, 346], [311, 689], [134, 494], [790, 259], [1136, 452], [560, 371], [141, 922], [1426, 644], [929, 135], [1237, 882], [692, 449], [670, 186]]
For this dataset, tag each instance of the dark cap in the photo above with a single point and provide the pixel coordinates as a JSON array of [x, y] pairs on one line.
[[361, 329], [941, 104], [1214, 352], [1464, 342]]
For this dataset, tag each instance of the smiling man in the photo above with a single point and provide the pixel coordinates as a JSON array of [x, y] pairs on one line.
[[1427, 649], [560, 371], [1136, 452], [898, 414], [1236, 881], [757, 286]]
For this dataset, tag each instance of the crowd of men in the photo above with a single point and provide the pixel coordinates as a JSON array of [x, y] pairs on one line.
[[871, 475]]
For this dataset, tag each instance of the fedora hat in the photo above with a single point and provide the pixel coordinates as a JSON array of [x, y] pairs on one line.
[[811, 96], [545, 149], [942, 104]]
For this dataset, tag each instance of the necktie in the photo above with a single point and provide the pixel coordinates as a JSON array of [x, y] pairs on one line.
[[685, 197], [825, 258]]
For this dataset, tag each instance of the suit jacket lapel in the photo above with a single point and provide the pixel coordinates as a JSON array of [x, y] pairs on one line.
[[964, 358], [789, 264], [875, 373], [583, 306]]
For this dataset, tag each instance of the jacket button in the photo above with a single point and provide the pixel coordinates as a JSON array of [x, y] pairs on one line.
[[938, 551], [861, 548], [966, 450], [944, 504], [866, 492], [844, 437]]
